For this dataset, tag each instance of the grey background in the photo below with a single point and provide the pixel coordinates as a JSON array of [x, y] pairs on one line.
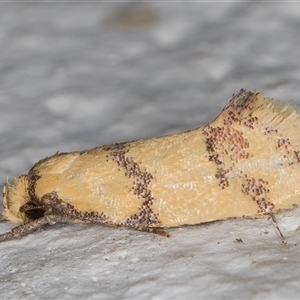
[[77, 75]]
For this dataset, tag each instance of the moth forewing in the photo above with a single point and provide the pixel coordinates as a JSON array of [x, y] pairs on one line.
[[245, 163]]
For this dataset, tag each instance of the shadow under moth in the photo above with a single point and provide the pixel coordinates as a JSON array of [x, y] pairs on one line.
[[245, 163]]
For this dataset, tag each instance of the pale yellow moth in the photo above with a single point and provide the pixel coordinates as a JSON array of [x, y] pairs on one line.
[[245, 163]]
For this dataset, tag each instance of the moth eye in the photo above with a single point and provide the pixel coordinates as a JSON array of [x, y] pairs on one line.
[[34, 214], [32, 211]]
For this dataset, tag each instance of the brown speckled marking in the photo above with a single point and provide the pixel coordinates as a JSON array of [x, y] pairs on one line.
[[251, 121], [256, 189], [140, 188], [284, 147], [221, 175], [32, 179], [240, 101], [221, 142], [287, 154], [297, 155], [227, 143], [283, 143], [226, 146], [269, 130]]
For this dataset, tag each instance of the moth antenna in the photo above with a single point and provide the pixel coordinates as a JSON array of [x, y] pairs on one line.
[[29, 206], [19, 231], [6, 236]]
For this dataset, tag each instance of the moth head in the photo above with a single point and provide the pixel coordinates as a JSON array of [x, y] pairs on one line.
[[18, 206]]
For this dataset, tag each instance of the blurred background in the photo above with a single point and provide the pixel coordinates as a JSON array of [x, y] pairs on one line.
[[82, 74], [77, 75]]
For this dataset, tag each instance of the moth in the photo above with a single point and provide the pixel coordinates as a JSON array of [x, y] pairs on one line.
[[245, 163]]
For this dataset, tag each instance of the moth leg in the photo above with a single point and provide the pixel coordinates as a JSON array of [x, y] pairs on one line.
[[52, 201], [277, 227], [62, 208], [27, 228], [154, 230]]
